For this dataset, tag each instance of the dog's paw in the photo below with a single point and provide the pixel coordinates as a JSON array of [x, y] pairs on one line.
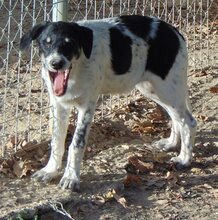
[[164, 145], [44, 176], [70, 182], [180, 163]]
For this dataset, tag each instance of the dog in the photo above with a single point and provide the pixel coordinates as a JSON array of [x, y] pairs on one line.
[[81, 60]]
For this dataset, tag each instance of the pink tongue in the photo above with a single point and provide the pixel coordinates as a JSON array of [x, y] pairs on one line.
[[58, 87]]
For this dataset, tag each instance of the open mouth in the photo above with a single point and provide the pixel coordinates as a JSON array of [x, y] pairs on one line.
[[59, 80]]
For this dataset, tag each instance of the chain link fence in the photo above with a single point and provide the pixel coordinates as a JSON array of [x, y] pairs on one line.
[[24, 104]]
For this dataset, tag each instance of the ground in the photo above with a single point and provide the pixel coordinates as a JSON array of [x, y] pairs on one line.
[[123, 177]]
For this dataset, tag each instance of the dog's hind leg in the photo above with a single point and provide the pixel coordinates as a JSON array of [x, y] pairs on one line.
[[192, 120], [186, 126], [60, 124], [167, 144], [71, 177], [172, 141], [173, 99]]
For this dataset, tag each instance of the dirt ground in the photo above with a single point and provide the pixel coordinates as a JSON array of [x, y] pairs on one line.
[[123, 177], [111, 189]]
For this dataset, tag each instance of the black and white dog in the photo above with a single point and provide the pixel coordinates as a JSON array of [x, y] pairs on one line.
[[84, 59]]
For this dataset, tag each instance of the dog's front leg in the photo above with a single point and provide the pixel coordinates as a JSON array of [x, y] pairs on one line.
[[71, 177], [59, 131]]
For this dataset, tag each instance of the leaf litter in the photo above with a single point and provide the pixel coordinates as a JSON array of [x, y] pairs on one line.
[[28, 158], [146, 168]]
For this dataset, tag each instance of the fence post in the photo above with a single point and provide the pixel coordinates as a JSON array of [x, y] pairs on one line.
[[59, 13]]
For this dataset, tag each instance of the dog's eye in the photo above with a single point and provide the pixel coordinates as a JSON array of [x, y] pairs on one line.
[[48, 40], [67, 40]]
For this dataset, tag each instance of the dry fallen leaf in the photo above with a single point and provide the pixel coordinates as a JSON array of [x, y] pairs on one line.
[[28, 157], [22, 168], [18, 168], [132, 180], [23, 144], [27, 168], [6, 166], [142, 129], [11, 142], [160, 157], [112, 194], [120, 199], [99, 200], [203, 73], [109, 195], [196, 170], [214, 90], [139, 165], [207, 186], [215, 193], [202, 117], [156, 115], [33, 149], [172, 177], [4, 170], [162, 202], [148, 165], [9, 145]]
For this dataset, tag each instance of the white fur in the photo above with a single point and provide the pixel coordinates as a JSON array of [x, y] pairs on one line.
[[91, 77]]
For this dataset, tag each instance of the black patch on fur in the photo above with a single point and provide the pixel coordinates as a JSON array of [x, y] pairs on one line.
[[81, 131], [121, 51], [138, 25], [86, 40], [31, 35], [163, 50], [79, 37], [58, 32], [80, 139], [176, 30]]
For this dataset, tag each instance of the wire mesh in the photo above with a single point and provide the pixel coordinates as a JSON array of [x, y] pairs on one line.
[[24, 104]]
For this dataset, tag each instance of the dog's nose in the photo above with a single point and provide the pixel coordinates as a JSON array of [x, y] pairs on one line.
[[57, 64]]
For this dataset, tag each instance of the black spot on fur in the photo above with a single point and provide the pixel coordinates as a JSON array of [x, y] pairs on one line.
[[163, 50], [121, 51], [175, 29], [86, 36], [82, 129], [79, 38], [138, 25], [80, 140], [32, 35], [57, 32]]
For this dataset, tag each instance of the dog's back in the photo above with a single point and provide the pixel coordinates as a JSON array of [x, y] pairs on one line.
[[131, 48]]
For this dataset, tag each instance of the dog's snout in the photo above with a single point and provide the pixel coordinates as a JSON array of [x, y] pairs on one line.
[[57, 64]]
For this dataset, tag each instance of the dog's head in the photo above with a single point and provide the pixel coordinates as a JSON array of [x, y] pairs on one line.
[[59, 44]]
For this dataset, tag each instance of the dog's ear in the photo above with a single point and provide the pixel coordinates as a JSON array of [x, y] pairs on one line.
[[32, 34], [86, 35]]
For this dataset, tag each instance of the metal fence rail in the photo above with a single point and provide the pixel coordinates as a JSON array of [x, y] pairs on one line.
[[24, 105]]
